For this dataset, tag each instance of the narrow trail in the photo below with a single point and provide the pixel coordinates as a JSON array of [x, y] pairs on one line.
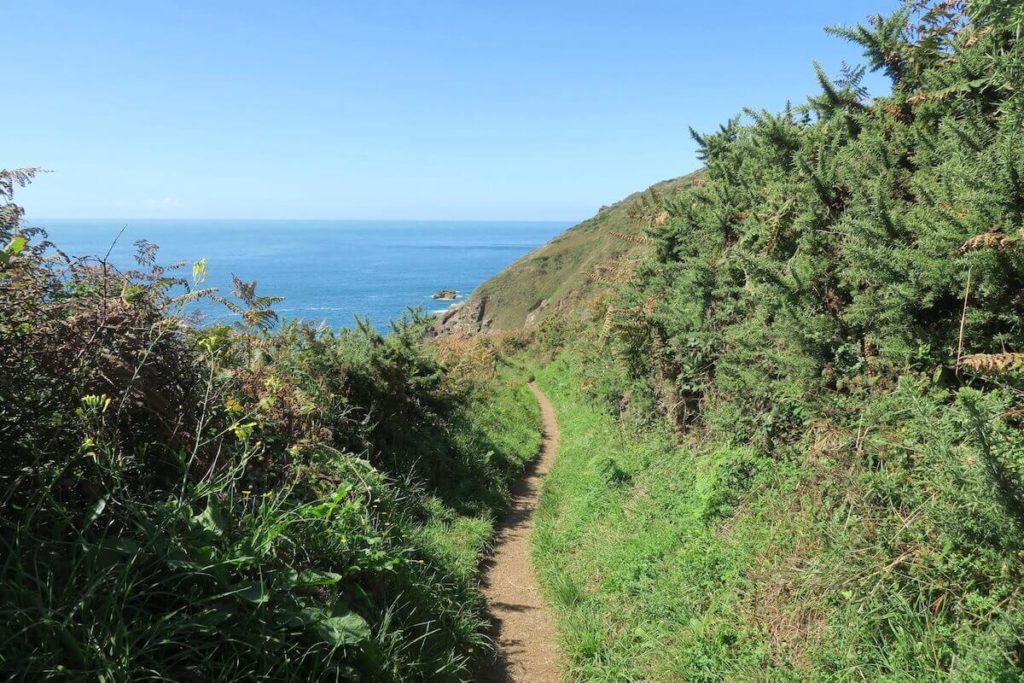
[[524, 631]]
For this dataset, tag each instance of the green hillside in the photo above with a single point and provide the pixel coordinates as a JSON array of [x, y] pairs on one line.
[[564, 276], [793, 449]]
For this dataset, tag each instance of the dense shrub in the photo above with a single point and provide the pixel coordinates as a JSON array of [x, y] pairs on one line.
[[181, 502], [840, 239]]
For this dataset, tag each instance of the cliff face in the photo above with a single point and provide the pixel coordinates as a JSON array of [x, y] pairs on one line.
[[563, 276], [464, 320]]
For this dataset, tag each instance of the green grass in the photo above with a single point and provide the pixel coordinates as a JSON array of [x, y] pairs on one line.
[[616, 519], [504, 435], [702, 561]]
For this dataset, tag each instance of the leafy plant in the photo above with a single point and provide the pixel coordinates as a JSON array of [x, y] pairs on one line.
[[264, 501]]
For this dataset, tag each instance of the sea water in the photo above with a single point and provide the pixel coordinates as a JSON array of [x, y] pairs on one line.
[[327, 271]]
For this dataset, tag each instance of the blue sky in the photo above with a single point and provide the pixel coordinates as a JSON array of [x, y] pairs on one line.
[[402, 109]]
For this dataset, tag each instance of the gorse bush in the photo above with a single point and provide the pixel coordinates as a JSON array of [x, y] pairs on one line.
[[826, 241], [830, 325], [180, 502]]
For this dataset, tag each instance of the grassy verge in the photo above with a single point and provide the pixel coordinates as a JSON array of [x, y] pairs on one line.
[[611, 511], [503, 432], [877, 548]]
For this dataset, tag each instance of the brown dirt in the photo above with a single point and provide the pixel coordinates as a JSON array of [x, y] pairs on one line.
[[524, 633]]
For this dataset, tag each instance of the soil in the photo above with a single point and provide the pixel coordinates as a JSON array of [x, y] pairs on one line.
[[523, 630]]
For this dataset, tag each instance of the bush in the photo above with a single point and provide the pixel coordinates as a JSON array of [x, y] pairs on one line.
[[232, 503]]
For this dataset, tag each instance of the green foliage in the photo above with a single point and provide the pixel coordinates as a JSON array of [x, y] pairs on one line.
[[234, 503], [882, 544], [792, 473], [824, 246]]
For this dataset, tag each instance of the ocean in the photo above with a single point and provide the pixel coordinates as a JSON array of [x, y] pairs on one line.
[[327, 271]]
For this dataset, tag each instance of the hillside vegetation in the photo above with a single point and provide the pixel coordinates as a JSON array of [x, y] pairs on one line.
[[180, 502], [793, 448], [568, 276], [791, 400]]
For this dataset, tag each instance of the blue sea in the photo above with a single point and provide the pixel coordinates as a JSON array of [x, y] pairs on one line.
[[327, 271]]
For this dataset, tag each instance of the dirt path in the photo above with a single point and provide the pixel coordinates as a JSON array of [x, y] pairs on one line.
[[523, 628]]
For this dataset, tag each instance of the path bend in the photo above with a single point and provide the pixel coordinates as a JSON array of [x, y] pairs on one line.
[[524, 632]]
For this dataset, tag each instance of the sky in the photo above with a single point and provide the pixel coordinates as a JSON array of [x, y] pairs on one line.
[[398, 109]]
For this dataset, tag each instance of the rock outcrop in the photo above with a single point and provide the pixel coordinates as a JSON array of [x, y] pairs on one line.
[[465, 320]]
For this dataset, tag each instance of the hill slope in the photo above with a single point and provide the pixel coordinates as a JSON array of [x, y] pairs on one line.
[[572, 268], [794, 451]]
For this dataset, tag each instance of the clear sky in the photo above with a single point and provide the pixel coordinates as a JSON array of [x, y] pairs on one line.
[[442, 109]]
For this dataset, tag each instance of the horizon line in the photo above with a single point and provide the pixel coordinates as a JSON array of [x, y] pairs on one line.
[[29, 218]]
